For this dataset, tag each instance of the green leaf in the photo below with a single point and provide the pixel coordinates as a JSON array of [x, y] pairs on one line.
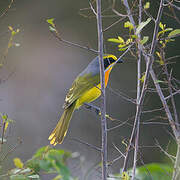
[[123, 49], [142, 78], [18, 177], [161, 25], [114, 40], [130, 40], [121, 39], [51, 22], [33, 164], [161, 61], [154, 171], [4, 117], [163, 31], [15, 171], [142, 25], [159, 81], [134, 36], [18, 163], [174, 33], [122, 45], [147, 5], [144, 40], [27, 170], [52, 29], [35, 176], [46, 165], [128, 25], [40, 152]]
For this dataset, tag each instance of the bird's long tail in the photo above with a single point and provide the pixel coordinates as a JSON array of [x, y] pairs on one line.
[[58, 134]]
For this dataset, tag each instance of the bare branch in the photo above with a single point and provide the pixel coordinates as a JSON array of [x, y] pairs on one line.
[[87, 144], [173, 5], [103, 95], [122, 95], [118, 150], [7, 9], [172, 97], [56, 34], [168, 113], [177, 92], [172, 158], [138, 94], [116, 22]]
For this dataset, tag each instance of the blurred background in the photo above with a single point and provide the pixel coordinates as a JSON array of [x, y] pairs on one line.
[[39, 73]]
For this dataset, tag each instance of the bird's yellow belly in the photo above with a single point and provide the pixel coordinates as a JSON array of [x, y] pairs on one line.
[[89, 96]]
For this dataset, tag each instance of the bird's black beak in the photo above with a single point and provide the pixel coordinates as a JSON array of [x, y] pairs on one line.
[[120, 61]]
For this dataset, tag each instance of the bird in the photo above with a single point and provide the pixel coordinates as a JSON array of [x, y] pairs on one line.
[[85, 89]]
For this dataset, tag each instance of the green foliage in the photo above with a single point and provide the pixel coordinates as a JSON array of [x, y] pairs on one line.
[[4, 123], [52, 26], [144, 40], [163, 29], [142, 25], [147, 5], [128, 25], [50, 161], [155, 171], [174, 33], [123, 45], [45, 160]]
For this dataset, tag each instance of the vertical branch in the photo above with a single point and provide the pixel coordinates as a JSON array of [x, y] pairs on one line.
[[103, 99], [176, 172], [138, 92], [149, 62], [172, 97]]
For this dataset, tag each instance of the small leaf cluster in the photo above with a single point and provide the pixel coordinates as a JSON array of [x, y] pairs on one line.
[[13, 33], [133, 35], [45, 160], [4, 123], [52, 26], [123, 45], [163, 37]]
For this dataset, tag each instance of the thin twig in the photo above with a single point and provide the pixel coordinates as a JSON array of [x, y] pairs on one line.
[[122, 95], [172, 158], [165, 105], [138, 94], [72, 43], [7, 9], [87, 144], [116, 22], [177, 92], [118, 150], [173, 5], [119, 125]]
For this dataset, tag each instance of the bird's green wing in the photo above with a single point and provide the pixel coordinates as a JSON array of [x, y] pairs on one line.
[[81, 85]]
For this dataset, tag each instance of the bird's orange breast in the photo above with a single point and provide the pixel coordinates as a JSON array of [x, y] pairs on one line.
[[107, 76]]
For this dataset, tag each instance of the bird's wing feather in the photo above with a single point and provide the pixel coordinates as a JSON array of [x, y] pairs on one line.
[[81, 85]]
